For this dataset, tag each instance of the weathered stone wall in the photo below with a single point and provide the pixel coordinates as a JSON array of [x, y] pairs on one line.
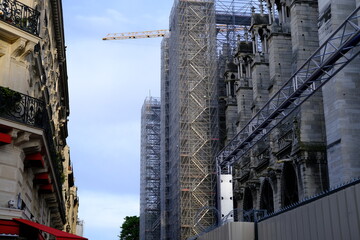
[[341, 101], [289, 164], [260, 82], [279, 59]]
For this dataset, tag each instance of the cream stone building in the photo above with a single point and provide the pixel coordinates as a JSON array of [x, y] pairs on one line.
[[70, 195], [37, 190]]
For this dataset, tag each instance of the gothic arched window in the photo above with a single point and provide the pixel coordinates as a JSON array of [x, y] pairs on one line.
[[267, 197], [290, 193]]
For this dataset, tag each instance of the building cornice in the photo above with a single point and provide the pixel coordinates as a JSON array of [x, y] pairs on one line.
[[57, 15]]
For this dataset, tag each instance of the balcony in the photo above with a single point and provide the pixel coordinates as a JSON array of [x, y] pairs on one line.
[[19, 15], [31, 112], [21, 108]]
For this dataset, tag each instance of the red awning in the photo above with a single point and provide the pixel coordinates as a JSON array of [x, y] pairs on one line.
[[60, 235], [42, 178], [48, 188], [9, 227], [5, 138], [35, 160]]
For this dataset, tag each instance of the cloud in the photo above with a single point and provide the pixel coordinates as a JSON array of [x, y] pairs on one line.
[[105, 212], [113, 77], [117, 162], [117, 16], [122, 137], [111, 17], [94, 20], [108, 82]]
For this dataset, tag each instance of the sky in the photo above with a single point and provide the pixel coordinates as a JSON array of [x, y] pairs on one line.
[[108, 83]]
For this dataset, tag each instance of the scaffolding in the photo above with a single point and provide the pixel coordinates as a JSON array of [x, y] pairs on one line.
[[190, 132], [191, 83], [150, 170], [199, 29], [233, 19], [164, 171]]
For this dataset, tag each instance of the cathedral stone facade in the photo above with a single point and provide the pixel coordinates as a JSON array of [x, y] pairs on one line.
[[314, 148]]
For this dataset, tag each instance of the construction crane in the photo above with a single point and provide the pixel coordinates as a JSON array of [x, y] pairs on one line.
[[134, 35], [158, 33]]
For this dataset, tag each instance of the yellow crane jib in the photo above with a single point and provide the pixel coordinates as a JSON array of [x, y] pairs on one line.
[[135, 35], [159, 33]]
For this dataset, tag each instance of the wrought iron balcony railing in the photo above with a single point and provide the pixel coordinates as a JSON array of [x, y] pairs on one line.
[[21, 108], [19, 15], [30, 111]]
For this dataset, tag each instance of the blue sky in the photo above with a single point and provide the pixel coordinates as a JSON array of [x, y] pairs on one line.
[[108, 82]]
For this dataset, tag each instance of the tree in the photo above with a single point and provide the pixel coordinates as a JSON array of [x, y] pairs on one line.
[[130, 228]]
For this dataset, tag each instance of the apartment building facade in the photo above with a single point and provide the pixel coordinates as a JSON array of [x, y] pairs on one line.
[[37, 192]]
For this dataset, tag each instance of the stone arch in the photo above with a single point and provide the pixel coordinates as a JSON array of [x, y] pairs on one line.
[[267, 197], [289, 183], [248, 202]]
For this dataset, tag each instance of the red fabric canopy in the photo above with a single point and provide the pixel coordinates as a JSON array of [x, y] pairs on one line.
[[9, 227], [60, 235], [5, 138]]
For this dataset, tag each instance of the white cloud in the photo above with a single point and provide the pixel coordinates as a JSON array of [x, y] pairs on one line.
[[105, 212], [117, 16], [108, 82], [110, 18], [95, 20], [122, 137]]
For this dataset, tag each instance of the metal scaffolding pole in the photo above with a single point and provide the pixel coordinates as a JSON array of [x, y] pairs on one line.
[[233, 18]]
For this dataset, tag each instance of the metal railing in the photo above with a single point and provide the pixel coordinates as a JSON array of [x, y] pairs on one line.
[[241, 215], [20, 15], [21, 108]]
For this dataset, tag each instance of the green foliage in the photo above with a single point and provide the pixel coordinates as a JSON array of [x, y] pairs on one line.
[[60, 167], [9, 99], [130, 228]]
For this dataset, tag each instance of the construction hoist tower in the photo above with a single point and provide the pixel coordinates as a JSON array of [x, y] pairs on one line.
[[191, 82], [150, 170]]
